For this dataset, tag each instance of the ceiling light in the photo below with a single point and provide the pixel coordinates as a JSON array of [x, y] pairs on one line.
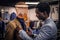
[[31, 2]]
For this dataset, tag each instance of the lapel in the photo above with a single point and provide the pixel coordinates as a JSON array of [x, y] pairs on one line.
[[17, 23], [48, 20]]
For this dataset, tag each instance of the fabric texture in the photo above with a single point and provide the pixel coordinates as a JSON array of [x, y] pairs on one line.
[[48, 31]]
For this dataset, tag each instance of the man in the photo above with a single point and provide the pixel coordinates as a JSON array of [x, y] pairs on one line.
[[48, 31]]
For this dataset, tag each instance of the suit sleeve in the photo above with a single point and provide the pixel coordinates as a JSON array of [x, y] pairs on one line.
[[24, 35], [45, 34]]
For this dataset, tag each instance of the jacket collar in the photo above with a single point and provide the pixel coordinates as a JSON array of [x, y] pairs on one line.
[[47, 20]]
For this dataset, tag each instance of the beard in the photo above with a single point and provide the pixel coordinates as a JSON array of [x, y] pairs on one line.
[[41, 18]]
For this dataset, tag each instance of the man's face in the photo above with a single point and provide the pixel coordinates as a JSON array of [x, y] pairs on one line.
[[40, 15], [20, 15]]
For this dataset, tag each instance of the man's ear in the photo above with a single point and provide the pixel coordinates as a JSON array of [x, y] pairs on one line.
[[45, 13]]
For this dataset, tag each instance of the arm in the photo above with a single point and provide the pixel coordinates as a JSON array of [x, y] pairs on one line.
[[45, 34], [24, 35]]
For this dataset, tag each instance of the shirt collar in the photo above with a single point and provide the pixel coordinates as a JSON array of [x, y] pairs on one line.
[[47, 20]]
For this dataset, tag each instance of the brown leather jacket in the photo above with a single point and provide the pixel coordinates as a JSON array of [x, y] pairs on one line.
[[11, 33]]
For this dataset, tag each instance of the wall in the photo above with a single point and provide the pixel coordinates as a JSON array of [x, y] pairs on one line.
[[32, 14], [54, 12]]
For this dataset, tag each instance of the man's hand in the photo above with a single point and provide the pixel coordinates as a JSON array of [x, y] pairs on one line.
[[16, 33], [18, 28], [30, 34]]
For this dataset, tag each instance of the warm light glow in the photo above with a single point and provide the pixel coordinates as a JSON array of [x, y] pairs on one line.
[[21, 5]]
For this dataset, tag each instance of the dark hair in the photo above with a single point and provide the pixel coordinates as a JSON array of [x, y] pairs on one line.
[[42, 7]]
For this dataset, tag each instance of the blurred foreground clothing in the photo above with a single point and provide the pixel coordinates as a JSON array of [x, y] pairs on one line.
[[2, 25], [11, 33], [2, 29], [48, 31]]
